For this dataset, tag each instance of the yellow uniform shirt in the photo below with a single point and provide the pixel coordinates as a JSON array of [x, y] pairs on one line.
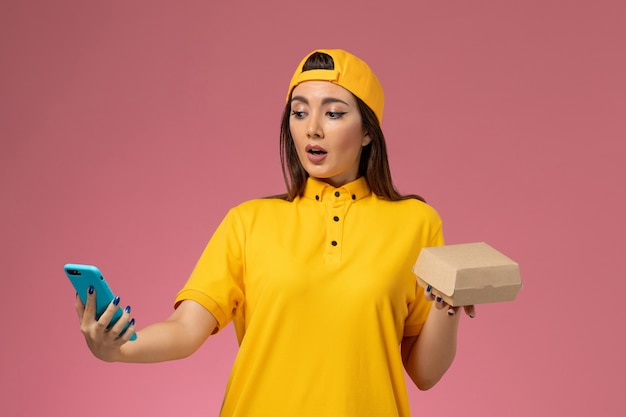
[[321, 293]]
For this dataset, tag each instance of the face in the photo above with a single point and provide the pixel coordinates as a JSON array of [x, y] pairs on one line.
[[326, 127]]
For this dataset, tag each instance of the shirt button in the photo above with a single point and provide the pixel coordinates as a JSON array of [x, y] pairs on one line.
[[336, 218], [354, 196], [337, 194], [334, 243], [317, 197]]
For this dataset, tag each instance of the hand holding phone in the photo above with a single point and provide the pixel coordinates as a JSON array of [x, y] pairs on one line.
[[84, 277]]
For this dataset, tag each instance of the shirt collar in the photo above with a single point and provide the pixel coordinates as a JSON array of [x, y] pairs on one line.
[[319, 190]]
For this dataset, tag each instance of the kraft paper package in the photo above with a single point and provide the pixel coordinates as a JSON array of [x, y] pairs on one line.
[[469, 273]]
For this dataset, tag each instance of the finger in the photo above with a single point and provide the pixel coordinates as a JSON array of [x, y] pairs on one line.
[[107, 315], [80, 307], [89, 311], [439, 303], [130, 330], [470, 311], [452, 310], [119, 325], [428, 293]]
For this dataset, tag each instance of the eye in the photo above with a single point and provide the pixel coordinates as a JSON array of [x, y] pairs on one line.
[[335, 114], [298, 114]]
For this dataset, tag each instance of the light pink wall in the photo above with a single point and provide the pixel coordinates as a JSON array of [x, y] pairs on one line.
[[127, 129]]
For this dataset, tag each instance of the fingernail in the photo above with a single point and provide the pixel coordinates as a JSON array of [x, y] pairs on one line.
[[132, 322], [471, 316], [127, 309], [91, 289], [439, 299], [450, 312], [116, 300], [429, 288]]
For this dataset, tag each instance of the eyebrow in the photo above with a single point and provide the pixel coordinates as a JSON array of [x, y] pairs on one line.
[[326, 100]]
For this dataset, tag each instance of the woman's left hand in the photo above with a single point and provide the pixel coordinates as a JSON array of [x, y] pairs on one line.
[[433, 295]]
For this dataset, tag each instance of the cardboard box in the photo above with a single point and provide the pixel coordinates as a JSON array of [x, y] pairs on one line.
[[470, 273]]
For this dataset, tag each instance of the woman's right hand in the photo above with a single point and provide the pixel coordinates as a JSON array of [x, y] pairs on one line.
[[104, 343]]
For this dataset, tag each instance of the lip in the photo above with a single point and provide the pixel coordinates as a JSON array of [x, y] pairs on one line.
[[313, 147], [315, 158]]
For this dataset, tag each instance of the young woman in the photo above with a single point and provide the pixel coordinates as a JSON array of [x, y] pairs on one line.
[[317, 281]]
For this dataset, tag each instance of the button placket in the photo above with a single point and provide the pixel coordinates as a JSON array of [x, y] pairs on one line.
[[339, 201]]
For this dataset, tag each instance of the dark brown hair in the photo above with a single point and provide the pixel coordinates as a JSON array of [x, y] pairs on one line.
[[374, 164]]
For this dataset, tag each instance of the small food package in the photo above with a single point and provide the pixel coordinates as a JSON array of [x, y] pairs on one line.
[[469, 273]]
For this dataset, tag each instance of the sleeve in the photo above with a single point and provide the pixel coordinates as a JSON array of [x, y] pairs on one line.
[[419, 307], [217, 279]]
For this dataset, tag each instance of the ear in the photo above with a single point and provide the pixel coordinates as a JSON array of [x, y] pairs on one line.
[[367, 139]]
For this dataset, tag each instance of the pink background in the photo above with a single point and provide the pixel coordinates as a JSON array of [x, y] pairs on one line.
[[129, 128]]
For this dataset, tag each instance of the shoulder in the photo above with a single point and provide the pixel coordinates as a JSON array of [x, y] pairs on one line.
[[248, 214], [258, 206], [261, 203], [409, 207]]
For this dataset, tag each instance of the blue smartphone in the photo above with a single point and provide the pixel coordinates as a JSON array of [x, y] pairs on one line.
[[84, 276]]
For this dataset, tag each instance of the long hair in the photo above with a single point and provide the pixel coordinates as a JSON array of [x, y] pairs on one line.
[[373, 165]]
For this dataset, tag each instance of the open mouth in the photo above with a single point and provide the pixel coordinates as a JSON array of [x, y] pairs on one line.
[[315, 150]]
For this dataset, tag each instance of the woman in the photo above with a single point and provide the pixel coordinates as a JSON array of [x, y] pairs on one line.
[[318, 281]]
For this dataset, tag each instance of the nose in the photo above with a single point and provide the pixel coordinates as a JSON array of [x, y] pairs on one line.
[[314, 129]]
